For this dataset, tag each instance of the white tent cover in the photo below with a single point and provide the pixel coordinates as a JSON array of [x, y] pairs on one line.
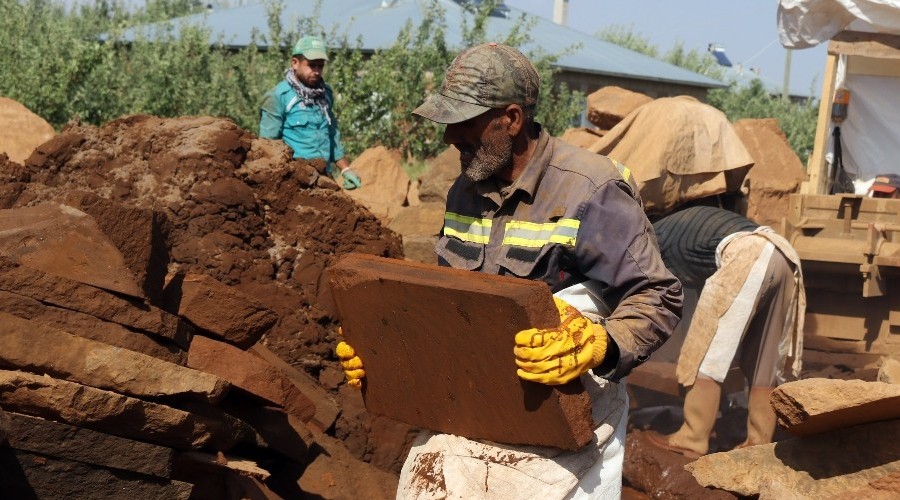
[[870, 137], [807, 23]]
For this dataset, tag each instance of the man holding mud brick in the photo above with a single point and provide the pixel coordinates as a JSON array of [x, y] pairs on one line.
[[299, 110], [532, 206]]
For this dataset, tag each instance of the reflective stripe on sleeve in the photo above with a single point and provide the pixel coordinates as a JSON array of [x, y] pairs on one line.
[[534, 235], [625, 171], [467, 228]]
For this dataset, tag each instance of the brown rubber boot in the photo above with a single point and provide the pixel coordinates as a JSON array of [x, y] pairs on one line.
[[760, 418], [701, 404]]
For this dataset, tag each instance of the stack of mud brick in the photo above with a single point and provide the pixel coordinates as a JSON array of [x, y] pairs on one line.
[[119, 379]]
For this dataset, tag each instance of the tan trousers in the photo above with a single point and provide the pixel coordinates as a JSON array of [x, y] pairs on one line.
[[746, 312]]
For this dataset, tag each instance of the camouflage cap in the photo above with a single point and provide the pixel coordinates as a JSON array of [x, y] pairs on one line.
[[480, 78], [311, 47]]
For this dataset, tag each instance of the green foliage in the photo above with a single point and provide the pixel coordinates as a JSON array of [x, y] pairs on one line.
[[626, 37], [55, 62], [693, 60], [797, 120], [376, 94], [698, 62]]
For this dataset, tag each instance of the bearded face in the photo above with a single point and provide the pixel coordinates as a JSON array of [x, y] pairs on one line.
[[308, 72], [484, 146]]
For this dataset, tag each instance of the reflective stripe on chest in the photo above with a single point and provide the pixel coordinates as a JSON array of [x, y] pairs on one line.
[[516, 233], [467, 228], [534, 235]]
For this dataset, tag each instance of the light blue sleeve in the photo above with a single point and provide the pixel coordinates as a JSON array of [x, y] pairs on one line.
[[271, 117]]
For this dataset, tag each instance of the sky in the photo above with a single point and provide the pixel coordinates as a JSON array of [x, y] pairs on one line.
[[748, 30]]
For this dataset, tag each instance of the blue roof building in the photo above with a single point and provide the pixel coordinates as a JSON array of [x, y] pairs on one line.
[[592, 64]]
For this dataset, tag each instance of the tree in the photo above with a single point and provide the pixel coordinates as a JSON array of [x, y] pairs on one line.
[[72, 63]]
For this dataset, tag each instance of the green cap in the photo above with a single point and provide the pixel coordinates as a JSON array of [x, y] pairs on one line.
[[482, 77], [311, 47]]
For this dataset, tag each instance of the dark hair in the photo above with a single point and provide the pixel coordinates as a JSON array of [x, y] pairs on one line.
[[530, 112]]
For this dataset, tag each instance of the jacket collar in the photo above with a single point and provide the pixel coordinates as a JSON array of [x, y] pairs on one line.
[[529, 179]]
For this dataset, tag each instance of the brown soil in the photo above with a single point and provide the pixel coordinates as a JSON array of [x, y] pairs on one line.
[[22, 130], [241, 211]]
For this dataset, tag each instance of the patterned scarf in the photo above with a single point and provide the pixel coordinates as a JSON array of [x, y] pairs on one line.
[[309, 96]]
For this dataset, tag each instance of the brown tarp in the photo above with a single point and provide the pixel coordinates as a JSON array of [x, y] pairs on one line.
[[679, 149]]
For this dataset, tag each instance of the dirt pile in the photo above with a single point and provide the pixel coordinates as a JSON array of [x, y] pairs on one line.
[[101, 388], [22, 130], [239, 210], [218, 204], [386, 185], [777, 170]]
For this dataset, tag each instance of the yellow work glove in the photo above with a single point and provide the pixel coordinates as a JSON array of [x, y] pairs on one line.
[[557, 355], [353, 367]]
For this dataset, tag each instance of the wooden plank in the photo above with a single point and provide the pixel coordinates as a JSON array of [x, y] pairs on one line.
[[818, 175], [437, 345], [858, 43], [870, 66]]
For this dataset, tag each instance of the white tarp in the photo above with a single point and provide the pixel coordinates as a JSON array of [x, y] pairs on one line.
[[870, 138], [806, 23]]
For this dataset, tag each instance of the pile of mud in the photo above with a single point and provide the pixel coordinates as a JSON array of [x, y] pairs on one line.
[[237, 209], [240, 210]]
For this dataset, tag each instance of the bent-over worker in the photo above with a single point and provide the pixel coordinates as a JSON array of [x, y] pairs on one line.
[[300, 110], [750, 310], [532, 206]]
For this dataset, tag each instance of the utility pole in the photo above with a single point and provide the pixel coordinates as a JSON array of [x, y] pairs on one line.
[[560, 11], [786, 89]]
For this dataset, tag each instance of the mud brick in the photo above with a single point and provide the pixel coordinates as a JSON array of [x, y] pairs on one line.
[[70, 294], [138, 233], [124, 416], [249, 373], [443, 339], [87, 326], [327, 409], [817, 405], [608, 105], [219, 310], [29, 475], [37, 435], [827, 465], [33, 347], [64, 241]]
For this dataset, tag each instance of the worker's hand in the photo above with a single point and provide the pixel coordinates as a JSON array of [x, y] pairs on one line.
[[557, 355], [351, 178], [353, 367]]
